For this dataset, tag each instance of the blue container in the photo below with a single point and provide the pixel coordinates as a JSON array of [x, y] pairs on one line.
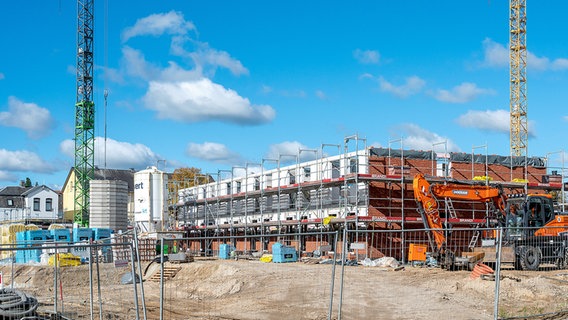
[[225, 251], [61, 235], [281, 253], [21, 256], [21, 239], [33, 255], [82, 234], [101, 233], [21, 242], [35, 236]]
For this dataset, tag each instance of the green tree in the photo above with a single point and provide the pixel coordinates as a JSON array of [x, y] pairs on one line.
[[28, 182]]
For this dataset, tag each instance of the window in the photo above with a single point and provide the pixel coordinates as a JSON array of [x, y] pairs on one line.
[[48, 204], [353, 165], [307, 172], [36, 204], [238, 186], [10, 202], [292, 177]]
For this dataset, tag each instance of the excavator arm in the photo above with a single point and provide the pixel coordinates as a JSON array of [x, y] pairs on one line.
[[426, 196]]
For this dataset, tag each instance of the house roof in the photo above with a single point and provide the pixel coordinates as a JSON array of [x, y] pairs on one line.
[[13, 191], [36, 189]]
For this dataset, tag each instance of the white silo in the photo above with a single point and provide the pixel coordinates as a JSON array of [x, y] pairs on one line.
[[150, 199]]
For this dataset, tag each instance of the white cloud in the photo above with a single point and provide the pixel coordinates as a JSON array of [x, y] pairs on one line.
[[497, 55], [135, 65], [287, 151], [320, 94], [210, 56], [22, 160], [366, 56], [8, 176], [1, 76], [491, 120], [463, 93], [566, 118], [366, 76], [417, 138], [413, 85], [157, 24], [119, 155], [203, 100], [213, 152], [33, 119]]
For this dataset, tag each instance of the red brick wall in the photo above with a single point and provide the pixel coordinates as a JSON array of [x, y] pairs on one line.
[[462, 171], [380, 165]]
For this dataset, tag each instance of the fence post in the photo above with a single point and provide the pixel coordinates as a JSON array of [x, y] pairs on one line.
[[497, 272], [343, 256], [162, 278], [332, 275]]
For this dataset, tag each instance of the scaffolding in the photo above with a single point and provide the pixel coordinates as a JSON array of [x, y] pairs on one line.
[[359, 188]]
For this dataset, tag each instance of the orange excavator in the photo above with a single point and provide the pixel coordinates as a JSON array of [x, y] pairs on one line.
[[427, 195], [533, 232]]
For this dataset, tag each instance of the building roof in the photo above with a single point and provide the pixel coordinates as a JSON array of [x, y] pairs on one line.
[[12, 193], [116, 174], [36, 189], [110, 174]]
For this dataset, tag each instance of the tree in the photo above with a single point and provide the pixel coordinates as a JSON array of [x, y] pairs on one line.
[[190, 177], [28, 182], [183, 178]]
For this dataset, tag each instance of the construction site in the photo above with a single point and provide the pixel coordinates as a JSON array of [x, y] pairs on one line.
[[368, 189], [347, 230]]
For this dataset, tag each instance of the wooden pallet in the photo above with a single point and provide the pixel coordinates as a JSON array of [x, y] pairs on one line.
[[169, 273]]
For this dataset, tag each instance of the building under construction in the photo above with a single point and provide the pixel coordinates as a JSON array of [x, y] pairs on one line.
[[365, 189]]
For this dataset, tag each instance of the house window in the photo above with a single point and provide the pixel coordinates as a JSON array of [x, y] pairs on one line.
[[48, 204], [10, 202], [238, 186], [36, 204]]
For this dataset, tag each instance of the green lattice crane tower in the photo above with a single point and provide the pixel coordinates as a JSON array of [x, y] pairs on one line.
[[84, 112]]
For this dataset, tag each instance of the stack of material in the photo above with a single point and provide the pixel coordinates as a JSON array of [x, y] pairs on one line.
[[32, 227], [9, 236], [146, 247]]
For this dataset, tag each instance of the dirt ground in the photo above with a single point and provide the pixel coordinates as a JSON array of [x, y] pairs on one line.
[[250, 289]]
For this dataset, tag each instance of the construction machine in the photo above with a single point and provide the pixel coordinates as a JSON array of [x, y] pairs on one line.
[[533, 232]]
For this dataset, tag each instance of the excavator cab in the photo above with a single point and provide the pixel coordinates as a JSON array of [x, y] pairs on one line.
[[538, 210]]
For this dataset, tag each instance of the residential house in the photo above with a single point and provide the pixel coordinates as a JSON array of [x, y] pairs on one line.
[[38, 204]]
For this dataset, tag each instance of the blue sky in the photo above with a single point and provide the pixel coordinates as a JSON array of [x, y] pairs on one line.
[[216, 84]]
